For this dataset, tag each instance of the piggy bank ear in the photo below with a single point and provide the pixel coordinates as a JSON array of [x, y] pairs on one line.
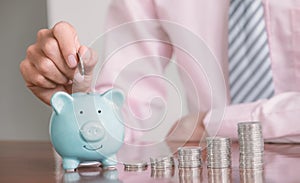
[[115, 95], [59, 100]]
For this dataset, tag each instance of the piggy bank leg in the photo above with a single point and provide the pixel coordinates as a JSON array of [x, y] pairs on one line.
[[70, 164], [110, 161]]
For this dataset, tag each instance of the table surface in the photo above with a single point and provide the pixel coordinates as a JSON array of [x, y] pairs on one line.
[[38, 162]]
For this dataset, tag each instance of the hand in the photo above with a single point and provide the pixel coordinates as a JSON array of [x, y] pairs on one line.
[[188, 129], [51, 63]]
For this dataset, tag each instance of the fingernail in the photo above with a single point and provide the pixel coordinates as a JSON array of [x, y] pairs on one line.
[[72, 61], [78, 77]]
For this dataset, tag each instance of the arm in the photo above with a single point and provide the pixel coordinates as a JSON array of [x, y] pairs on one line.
[[279, 116]]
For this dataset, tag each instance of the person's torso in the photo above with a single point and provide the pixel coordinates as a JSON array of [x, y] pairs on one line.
[[209, 21]]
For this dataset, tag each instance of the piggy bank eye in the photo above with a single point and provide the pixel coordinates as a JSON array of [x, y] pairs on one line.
[[99, 111], [81, 112]]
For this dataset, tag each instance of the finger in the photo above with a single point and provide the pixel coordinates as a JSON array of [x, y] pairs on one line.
[[46, 67], [82, 83], [33, 78], [68, 42], [50, 49], [42, 34]]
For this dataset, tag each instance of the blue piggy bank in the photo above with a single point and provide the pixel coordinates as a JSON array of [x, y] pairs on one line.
[[87, 127]]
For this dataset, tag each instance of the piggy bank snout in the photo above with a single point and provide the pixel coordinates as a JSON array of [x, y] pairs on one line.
[[92, 131]]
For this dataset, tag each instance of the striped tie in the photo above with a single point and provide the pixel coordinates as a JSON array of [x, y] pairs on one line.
[[250, 75]]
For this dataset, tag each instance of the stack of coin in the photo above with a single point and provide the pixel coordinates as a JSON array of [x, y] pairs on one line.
[[251, 175], [135, 166], [189, 157], [162, 173], [162, 167], [218, 152], [251, 145], [187, 175], [219, 175], [162, 162]]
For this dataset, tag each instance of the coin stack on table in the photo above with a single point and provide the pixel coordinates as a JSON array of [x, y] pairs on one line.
[[190, 164], [162, 167], [251, 175], [189, 157], [162, 162], [193, 175], [251, 145], [222, 175], [218, 152], [165, 173], [135, 166]]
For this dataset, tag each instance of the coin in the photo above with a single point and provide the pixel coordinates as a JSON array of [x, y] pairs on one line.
[[162, 167], [80, 65], [190, 175], [251, 145], [218, 152], [162, 173], [162, 162], [135, 166], [251, 175], [219, 175], [189, 157]]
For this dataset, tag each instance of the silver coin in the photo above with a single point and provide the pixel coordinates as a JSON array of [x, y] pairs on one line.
[[80, 65], [135, 166], [218, 152], [251, 145], [189, 157], [162, 162], [164, 173], [219, 175], [188, 150], [190, 175], [251, 175]]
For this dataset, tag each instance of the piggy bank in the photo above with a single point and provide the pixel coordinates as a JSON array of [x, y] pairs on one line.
[[87, 127]]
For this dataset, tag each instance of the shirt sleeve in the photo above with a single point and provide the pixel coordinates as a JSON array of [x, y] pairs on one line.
[[278, 116], [133, 58]]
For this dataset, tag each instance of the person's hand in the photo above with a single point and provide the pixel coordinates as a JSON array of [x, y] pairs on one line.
[[51, 63], [189, 129]]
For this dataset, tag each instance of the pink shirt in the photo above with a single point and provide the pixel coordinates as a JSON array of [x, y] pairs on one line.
[[136, 57]]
